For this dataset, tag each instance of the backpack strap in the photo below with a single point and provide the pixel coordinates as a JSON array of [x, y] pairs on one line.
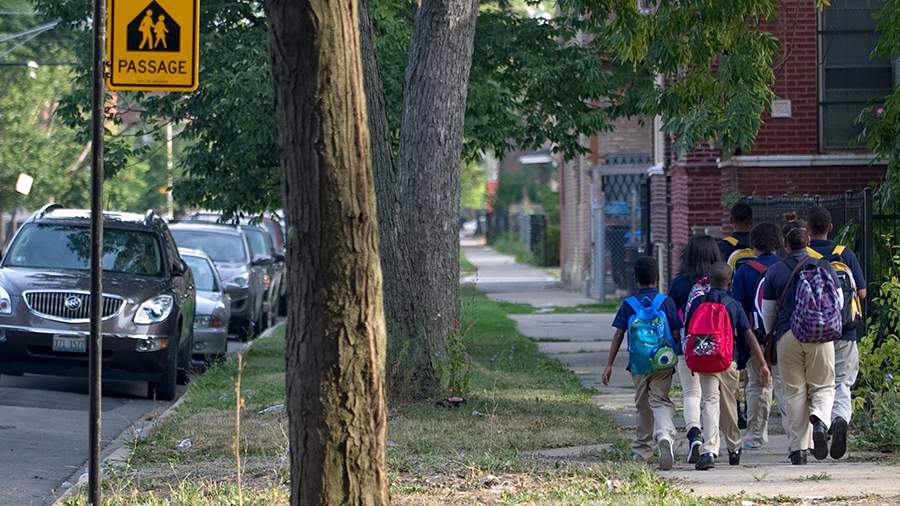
[[732, 240], [634, 303], [658, 301], [837, 252], [757, 266], [791, 279]]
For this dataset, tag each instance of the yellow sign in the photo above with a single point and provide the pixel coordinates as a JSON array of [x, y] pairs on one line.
[[153, 45]]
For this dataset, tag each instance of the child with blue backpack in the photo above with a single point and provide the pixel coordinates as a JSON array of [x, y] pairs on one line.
[[650, 320]]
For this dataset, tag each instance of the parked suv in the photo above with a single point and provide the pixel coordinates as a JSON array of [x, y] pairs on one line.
[[148, 299], [243, 275]]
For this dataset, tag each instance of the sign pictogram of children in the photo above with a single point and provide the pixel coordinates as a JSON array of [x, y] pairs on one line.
[[146, 30], [160, 29], [154, 30]]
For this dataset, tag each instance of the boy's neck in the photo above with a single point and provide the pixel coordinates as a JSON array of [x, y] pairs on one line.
[[725, 288], [823, 237], [647, 287]]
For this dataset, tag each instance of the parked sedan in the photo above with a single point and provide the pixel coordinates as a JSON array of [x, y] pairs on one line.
[[213, 306], [243, 275]]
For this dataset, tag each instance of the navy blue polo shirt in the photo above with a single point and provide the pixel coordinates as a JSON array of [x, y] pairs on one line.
[[727, 249], [625, 312], [740, 324], [778, 280], [743, 289], [680, 290], [826, 248]]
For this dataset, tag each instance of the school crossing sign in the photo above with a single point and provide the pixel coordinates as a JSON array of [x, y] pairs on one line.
[[153, 45]]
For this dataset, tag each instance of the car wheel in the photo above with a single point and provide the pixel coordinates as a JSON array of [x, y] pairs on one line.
[[248, 331], [186, 362], [282, 306], [164, 389]]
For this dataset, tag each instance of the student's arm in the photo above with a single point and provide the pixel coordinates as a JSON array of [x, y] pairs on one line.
[[613, 351], [757, 353], [856, 269]]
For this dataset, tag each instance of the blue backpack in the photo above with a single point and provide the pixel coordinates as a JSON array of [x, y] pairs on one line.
[[651, 347]]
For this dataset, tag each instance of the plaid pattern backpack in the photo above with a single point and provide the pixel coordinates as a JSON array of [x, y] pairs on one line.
[[817, 316]]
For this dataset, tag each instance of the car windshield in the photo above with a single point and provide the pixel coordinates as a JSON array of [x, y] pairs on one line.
[[45, 246], [258, 243], [204, 278], [222, 248]]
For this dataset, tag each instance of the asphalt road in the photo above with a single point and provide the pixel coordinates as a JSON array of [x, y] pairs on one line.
[[44, 430]]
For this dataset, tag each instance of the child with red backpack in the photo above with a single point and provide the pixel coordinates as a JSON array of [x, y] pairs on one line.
[[651, 322], [712, 324], [747, 290]]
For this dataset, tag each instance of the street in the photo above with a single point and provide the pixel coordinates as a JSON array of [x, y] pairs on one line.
[[44, 430]]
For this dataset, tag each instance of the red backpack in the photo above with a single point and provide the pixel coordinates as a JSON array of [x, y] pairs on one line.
[[710, 338]]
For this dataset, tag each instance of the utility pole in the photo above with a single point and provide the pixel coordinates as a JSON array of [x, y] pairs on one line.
[[95, 347]]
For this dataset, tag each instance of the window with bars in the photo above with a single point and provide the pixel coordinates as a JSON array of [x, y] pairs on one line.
[[850, 76]]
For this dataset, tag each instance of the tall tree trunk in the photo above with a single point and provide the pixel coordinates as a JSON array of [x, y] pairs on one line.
[[437, 77], [335, 331], [398, 295]]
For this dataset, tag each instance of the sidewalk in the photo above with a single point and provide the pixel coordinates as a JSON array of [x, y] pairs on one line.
[[581, 342]]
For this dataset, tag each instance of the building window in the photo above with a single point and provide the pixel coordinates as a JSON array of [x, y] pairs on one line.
[[849, 76]]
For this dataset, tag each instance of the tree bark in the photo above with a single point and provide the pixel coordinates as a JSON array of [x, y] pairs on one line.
[[398, 295], [336, 340], [437, 76]]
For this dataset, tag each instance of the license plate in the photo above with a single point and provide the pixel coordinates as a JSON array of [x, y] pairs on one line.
[[69, 344]]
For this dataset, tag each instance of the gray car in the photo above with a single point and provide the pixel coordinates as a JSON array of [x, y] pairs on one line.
[[243, 275], [213, 306], [148, 300]]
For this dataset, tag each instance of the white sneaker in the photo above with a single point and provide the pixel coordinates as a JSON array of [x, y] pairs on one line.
[[666, 455]]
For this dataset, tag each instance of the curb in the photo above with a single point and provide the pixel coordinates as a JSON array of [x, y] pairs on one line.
[[119, 451]]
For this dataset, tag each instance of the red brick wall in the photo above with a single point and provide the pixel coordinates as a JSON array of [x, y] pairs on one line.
[[775, 181], [796, 79]]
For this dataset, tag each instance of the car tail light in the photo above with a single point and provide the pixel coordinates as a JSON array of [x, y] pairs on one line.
[[215, 322]]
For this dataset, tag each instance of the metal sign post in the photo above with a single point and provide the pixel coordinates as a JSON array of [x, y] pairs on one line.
[[95, 346]]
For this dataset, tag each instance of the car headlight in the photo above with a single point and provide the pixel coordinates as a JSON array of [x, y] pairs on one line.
[[241, 280], [208, 322], [5, 302], [154, 310]]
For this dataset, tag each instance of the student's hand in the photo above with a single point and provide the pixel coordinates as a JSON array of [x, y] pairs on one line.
[[765, 376], [607, 373]]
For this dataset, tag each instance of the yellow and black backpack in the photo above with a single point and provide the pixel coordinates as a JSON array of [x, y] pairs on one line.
[[851, 313], [740, 256]]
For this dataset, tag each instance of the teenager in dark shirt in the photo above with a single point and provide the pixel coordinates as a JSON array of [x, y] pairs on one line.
[[766, 241], [655, 410], [741, 223], [806, 369], [698, 257], [846, 353], [719, 390]]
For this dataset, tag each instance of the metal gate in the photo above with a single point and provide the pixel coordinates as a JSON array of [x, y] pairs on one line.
[[620, 218]]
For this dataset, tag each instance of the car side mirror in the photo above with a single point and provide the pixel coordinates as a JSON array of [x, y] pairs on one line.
[[261, 260], [279, 257], [179, 268]]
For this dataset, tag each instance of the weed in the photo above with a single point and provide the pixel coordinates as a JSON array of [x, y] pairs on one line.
[[823, 476]]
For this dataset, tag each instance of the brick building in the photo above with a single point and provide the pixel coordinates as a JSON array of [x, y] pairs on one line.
[[825, 76]]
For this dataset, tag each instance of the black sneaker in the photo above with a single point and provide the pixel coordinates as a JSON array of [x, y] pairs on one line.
[[798, 458], [707, 461], [742, 416], [695, 440], [838, 438], [820, 438], [734, 457]]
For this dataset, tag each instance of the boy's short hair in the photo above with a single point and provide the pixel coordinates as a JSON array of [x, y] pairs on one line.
[[720, 275], [742, 214], [645, 271], [819, 220], [765, 237]]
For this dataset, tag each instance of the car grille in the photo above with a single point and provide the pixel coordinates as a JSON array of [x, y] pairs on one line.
[[69, 306]]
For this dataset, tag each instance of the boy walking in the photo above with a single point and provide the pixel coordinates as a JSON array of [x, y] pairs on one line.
[[712, 325], [846, 354], [650, 320]]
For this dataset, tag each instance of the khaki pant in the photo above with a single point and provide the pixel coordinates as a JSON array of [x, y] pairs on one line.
[[690, 394], [759, 403], [718, 409], [807, 377], [846, 369], [655, 411]]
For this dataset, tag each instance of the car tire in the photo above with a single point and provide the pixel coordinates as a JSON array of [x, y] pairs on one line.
[[165, 388], [185, 362], [282, 305], [247, 331]]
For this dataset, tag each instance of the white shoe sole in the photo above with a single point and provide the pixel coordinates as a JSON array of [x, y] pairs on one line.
[[666, 456]]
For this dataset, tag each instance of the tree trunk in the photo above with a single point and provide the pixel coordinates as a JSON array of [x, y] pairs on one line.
[[437, 76], [398, 295], [335, 328]]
